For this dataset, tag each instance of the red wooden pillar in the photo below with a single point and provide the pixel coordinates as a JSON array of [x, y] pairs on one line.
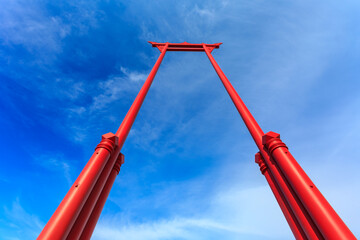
[[129, 119], [292, 200], [62, 221], [65, 215], [87, 209], [285, 208], [324, 216], [257, 133], [312, 219], [306, 210], [91, 223]]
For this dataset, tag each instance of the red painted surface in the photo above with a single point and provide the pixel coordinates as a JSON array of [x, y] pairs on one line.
[[185, 47], [248, 119], [65, 215], [303, 218], [129, 119], [257, 133], [324, 216], [87, 209], [307, 212], [280, 198], [90, 225]]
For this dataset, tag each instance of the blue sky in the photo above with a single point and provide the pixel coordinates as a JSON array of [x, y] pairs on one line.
[[70, 70]]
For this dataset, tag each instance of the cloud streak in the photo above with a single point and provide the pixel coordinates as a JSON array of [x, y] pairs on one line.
[[19, 224], [72, 70]]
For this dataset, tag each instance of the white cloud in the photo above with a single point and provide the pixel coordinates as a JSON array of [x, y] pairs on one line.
[[204, 12], [41, 34], [116, 87], [55, 163], [233, 212], [293, 51], [106, 96], [19, 223], [288, 59], [27, 24], [134, 75], [111, 90], [173, 229]]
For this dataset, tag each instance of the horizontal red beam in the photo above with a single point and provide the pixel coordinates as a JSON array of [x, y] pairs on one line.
[[185, 46], [186, 49]]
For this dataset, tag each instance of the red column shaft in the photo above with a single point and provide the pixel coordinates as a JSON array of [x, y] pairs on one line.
[[61, 222], [295, 204], [91, 223], [245, 114], [256, 132], [87, 209], [284, 205], [65, 215], [325, 217], [129, 119]]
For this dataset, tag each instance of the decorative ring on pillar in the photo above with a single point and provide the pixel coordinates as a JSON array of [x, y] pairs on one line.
[[271, 141], [259, 160], [117, 167], [119, 162], [274, 143], [109, 142]]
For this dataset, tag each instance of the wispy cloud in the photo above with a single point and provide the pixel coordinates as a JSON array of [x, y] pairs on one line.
[[173, 229], [190, 173], [28, 24], [34, 26], [106, 96], [293, 52], [19, 224], [232, 212], [111, 90], [133, 75], [55, 163], [204, 12], [116, 87]]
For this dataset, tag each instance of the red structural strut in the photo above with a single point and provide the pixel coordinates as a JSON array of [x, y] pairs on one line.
[[71, 215], [65, 215], [257, 133], [286, 209], [326, 219], [87, 209], [129, 119], [323, 215], [90, 225], [306, 210]]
